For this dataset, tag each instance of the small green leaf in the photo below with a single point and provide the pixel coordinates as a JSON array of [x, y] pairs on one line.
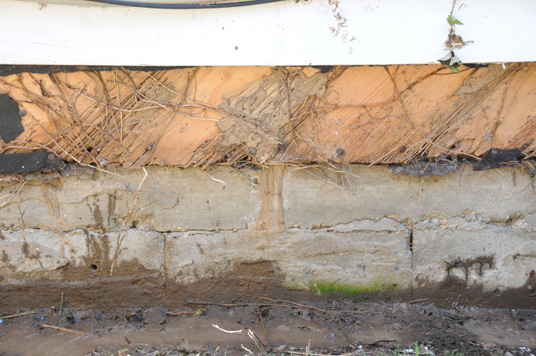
[[453, 21], [454, 67]]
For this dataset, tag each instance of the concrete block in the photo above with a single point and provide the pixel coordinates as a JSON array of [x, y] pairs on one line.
[[63, 204], [76, 249], [346, 254], [376, 192], [494, 256], [145, 248], [187, 199], [527, 223], [54, 250], [170, 199]]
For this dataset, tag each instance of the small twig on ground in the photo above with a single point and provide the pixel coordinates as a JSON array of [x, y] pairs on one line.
[[62, 329], [186, 312], [228, 331], [418, 300], [531, 341], [293, 303], [315, 354], [61, 302], [248, 350], [17, 315], [248, 332], [223, 304], [259, 313]]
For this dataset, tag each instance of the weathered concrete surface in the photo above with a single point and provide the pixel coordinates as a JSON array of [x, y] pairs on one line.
[[497, 257], [174, 199], [145, 248], [376, 192], [188, 199], [40, 251], [170, 199], [357, 253], [276, 227], [76, 255]]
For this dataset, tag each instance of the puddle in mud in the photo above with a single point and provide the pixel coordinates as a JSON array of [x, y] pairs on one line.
[[281, 327]]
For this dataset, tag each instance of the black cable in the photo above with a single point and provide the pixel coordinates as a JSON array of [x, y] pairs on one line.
[[184, 6]]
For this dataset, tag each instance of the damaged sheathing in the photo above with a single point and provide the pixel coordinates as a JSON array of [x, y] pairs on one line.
[[261, 112], [271, 115]]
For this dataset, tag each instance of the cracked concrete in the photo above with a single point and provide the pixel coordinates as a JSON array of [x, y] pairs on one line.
[[190, 225], [39, 250], [302, 256], [458, 247], [172, 199], [375, 192]]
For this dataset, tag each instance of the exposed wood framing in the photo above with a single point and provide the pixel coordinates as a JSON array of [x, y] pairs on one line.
[[204, 115]]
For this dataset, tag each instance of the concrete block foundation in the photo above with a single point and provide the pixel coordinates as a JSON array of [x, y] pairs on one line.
[[228, 235]]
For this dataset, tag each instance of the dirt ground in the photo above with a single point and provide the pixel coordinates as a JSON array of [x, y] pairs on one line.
[[272, 327]]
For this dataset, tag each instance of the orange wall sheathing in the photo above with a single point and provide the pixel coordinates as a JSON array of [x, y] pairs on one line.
[[203, 115]]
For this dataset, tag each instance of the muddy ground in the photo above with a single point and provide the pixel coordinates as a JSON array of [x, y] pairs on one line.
[[272, 327]]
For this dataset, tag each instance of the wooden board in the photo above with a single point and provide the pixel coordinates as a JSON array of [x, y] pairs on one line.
[[204, 115], [324, 32]]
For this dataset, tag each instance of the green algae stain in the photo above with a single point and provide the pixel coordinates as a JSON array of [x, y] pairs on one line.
[[329, 288]]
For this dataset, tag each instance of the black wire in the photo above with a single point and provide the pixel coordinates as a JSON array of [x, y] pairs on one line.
[[184, 6]]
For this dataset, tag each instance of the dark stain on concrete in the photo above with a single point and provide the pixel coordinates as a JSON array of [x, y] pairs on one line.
[[25, 249], [10, 119], [455, 290], [245, 282], [5, 256], [91, 286], [97, 215], [29, 252], [112, 200], [480, 261]]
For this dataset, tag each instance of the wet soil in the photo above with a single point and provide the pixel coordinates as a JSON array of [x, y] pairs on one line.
[[90, 287], [272, 327]]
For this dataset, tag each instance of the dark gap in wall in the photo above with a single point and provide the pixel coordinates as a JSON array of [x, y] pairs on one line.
[[429, 167], [29, 162], [496, 158], [411, 241]]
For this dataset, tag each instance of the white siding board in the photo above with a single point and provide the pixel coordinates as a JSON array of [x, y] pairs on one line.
[[386, 32]]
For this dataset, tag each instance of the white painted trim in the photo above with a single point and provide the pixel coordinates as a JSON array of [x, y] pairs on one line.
[[97, 4], [385, 31]]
